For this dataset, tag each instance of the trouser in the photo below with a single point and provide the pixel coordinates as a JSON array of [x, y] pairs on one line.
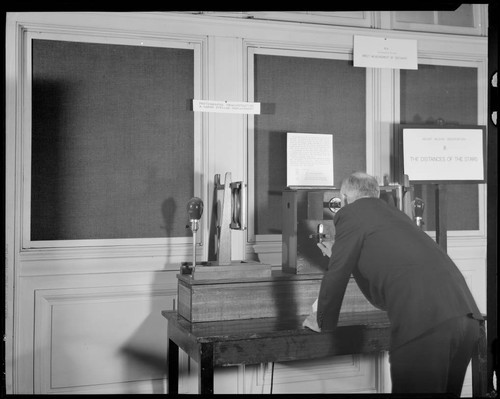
[[436, 361]]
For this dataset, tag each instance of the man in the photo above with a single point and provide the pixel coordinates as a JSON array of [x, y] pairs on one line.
[[400, 269]]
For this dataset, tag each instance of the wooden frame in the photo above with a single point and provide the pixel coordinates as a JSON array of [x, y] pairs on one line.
[[199, 157]]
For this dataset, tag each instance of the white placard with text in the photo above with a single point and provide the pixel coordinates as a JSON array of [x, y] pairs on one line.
[[382, 52], [309, 159], [443, 154], [226, 107]]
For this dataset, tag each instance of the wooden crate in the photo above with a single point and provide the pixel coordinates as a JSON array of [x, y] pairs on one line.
[[281, 295]]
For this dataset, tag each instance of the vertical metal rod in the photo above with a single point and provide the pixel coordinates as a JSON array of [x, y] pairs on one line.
[[441, 216], [194, 252]]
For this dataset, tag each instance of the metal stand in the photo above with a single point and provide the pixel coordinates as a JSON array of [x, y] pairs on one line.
[[229, 211], [441, 215]]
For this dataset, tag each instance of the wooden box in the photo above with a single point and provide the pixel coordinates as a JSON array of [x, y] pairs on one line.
[[282, 295], [235, 270], [303, 211]]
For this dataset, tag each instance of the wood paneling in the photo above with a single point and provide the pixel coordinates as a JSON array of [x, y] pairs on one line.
[[88, 337]]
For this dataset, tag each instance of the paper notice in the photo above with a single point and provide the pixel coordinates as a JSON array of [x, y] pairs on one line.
[[309, 159], [381, 52], [227, 107]]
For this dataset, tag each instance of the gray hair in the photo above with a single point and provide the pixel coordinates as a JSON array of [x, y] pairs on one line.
[[359, 185]]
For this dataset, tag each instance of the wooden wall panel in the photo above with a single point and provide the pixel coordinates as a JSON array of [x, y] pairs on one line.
[[340, 374], [89, 338]]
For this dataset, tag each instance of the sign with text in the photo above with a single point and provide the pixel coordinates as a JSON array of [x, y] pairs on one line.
[[309, 159], [226, 107], [444, 154], [381, 52]]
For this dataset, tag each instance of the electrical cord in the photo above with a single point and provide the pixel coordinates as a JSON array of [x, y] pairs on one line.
[[272, 378]]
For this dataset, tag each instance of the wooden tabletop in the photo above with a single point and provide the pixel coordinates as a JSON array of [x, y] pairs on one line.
[[270, 327]]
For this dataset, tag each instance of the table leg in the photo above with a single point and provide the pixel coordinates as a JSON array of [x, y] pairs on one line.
[[206, 370], [173, 367], [479, 365]]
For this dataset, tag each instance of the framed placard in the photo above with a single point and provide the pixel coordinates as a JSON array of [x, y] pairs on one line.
[[309, 159], [443, 154]]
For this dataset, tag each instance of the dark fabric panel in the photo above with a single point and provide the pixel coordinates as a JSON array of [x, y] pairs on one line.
[[448, 93], [112, 141], [305, 95]]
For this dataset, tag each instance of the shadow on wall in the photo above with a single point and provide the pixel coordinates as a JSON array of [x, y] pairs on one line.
[[143, 360], [168, 209], [145, 352]]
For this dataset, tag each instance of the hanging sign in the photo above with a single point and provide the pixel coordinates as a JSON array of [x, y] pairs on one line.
[[444, 154], [226, 107], [382, 52]]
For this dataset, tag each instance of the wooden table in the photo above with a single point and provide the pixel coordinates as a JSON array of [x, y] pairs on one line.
[[253, 341]]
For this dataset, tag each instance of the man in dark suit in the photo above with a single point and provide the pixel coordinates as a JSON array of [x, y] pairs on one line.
[[400, 269]]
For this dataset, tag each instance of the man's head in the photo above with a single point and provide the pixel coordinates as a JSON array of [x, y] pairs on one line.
[[359, 185]]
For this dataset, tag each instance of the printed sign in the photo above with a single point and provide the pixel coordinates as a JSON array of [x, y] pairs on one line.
[[444, 154], [227, 107], [309, 159], [381, 52]]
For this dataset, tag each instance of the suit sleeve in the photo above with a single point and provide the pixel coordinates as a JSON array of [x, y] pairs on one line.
[[345, 255]]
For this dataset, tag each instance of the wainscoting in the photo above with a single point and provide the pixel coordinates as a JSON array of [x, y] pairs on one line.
[[84, 315]]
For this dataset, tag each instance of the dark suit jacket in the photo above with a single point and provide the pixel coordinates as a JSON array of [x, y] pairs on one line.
[[397, 266]]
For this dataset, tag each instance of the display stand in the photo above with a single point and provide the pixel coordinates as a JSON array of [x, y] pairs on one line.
[[441, 214], [438, 155]]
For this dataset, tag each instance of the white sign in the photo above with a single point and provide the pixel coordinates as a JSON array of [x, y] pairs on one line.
[[309, 159], [381, 52], [227, 107], [443, 154]]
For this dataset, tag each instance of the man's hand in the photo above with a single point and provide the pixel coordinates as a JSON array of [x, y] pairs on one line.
[[311, 322], [326, 247]]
